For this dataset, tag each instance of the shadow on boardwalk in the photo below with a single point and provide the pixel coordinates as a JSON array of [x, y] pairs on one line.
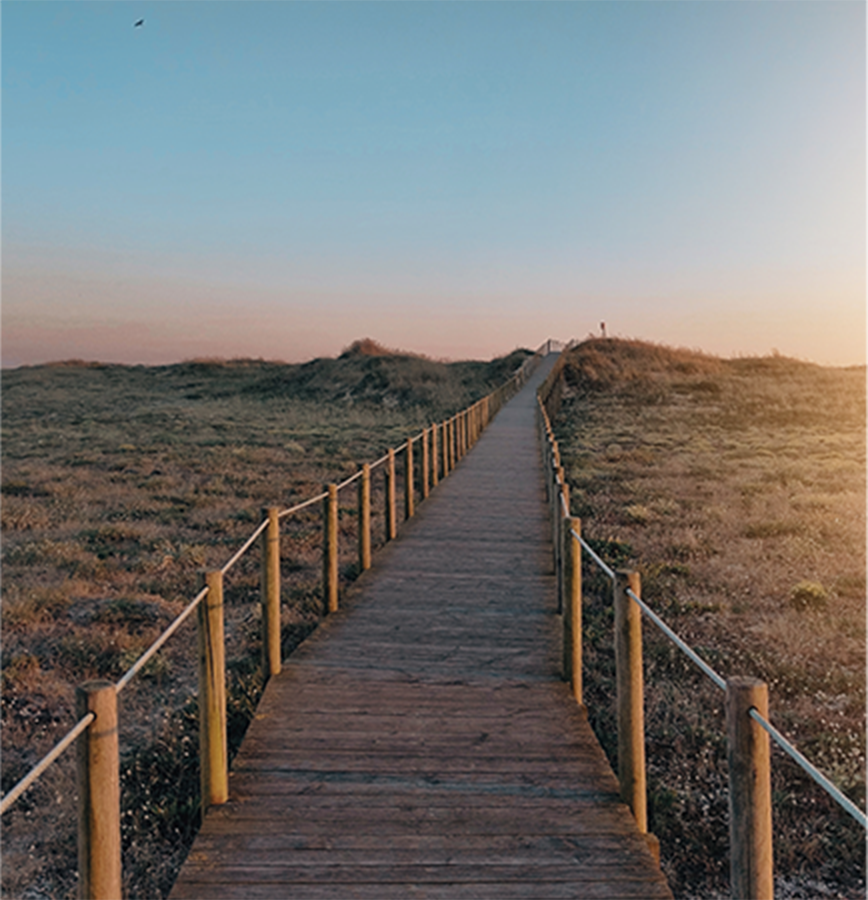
[[421, 742]]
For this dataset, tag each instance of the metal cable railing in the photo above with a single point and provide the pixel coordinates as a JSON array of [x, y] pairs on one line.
[[776, 736], [589, 550], [842, 799], [684, 648]]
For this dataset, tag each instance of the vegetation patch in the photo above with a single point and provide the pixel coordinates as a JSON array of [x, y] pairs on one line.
[[737, 489], [808, 595], [119, 483], [773, 529]]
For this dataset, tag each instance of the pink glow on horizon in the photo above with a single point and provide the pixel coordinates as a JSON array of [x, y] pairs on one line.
[[477, 336], [51, 316]]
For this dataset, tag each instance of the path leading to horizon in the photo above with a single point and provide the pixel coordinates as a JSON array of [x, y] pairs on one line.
[[421, 742]]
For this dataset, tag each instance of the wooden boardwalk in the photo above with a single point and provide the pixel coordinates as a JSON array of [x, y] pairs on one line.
[[421, 742]]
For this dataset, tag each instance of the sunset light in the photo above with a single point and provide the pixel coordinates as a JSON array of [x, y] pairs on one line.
[[277, 179]]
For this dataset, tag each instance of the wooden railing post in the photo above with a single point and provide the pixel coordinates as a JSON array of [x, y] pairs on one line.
[[99, 794], [213, 757], [556, 530], [270, 592], [572, 615], [330, 549], [444, 448], [391, 519], [628, 677], [364, 518], [435, 456], [449, 451], [553, 489], [563, 530], [456, 439], [409, 487], [426, 465], [750, 808]]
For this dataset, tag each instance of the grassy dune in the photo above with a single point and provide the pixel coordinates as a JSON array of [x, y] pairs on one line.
[[737, 489], [119, 483]]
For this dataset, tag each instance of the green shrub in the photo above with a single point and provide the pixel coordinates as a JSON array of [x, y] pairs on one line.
[[808, 595]]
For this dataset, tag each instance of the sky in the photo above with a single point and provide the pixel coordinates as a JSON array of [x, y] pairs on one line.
[[277, 179]]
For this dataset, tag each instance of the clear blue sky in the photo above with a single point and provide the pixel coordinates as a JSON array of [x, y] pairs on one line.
[[276, 179]]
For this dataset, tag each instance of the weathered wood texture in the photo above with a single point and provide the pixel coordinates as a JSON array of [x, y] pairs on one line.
[[421, 742]]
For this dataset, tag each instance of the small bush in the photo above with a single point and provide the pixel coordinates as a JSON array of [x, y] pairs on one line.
[[15, 489], [639, 514], [808, 595], [772, 529]]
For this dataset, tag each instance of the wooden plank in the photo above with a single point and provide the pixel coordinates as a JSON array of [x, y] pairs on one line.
[[323, 872], [507, 890], [429, 849]]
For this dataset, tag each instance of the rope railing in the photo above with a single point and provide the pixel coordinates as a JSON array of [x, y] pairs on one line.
[[146, 657], [348, 481], [746, 698], [303, 505], [379, 461], [244, 547], [98, 700], [45, 762]]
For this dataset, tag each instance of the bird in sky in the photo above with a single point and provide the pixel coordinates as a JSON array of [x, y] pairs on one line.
[[139, 23]]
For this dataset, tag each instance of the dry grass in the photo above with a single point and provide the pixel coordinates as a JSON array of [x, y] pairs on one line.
[[118, 484], [737, 488]]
